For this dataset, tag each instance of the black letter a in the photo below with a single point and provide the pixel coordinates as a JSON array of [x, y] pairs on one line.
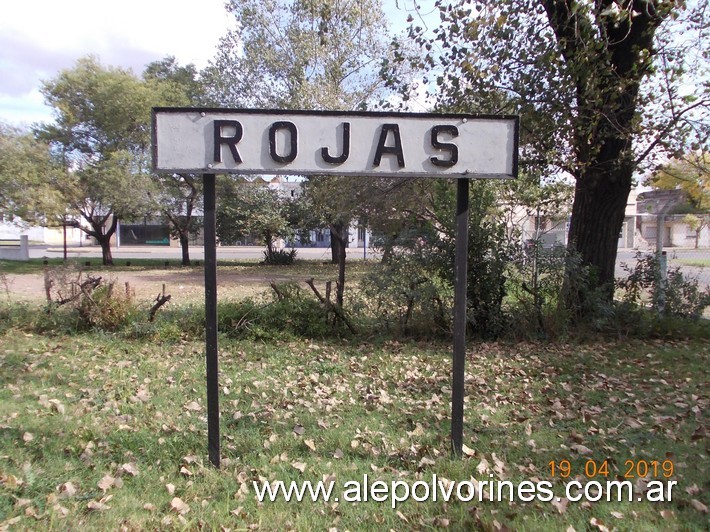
[[394, 150]]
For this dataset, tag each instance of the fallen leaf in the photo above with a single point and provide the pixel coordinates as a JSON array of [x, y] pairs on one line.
[[441, 522], [170, 488], [298, 430], [699, 506], [466, 450], [617, 515], [425, 461], [418, 430], [97, 506], [483, 466], [179, 506], [60, 510], [67, 490], [560, 503], [692, 489], [633, 423], [193, 406], [581, 449], [143, 395], [299, 465], [667, 514], [28, 437], [57, 406], [598, 524], [106, 482], [129, 468], [310, 444]]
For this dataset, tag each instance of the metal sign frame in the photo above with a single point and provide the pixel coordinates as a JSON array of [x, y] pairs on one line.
[[209, 141]]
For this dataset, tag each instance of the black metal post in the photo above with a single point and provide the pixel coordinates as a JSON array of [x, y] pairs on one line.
[[459, 355], [64, 227], [210, 235]]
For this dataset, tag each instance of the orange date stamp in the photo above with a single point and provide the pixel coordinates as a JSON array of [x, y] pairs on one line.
[[638, 468]]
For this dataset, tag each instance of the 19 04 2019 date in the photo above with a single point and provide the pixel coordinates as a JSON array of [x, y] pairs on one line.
[[636, 468]]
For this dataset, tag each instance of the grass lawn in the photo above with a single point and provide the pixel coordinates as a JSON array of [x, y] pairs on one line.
[[300, 267], [101, 433], [698, 263]]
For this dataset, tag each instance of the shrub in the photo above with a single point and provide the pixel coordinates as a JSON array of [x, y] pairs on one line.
[[280, 257], [106, 309], [292, 313], [680, 295], [430, 257], [407, 299]]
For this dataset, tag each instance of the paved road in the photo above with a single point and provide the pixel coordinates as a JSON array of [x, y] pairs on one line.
[[174, 253], [256, 252]]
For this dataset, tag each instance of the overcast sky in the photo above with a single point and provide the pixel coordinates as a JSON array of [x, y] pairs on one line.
[[38, 38]]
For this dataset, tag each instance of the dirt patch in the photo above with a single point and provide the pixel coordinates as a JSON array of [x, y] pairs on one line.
[[183, 286]]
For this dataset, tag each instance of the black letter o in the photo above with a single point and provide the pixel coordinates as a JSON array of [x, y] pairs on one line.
[[293, 148]]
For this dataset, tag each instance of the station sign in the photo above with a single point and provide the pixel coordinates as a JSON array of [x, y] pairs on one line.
[[198, 140]]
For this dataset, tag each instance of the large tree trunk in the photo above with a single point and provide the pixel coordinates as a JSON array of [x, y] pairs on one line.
[[185, 246], [105, 243], [103, 237], [597, 218], [338, 241], [607, 58], [337, 229]]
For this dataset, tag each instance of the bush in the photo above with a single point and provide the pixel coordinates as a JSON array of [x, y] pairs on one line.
[[406, 299], [679, 296], [106, 309], [280, 257], [292, 313]]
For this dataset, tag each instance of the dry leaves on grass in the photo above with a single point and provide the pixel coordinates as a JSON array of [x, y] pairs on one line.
[[179, 506]]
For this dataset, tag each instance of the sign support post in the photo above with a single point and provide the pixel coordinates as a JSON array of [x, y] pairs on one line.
[[356, 144], [210, 236], [460, 321]]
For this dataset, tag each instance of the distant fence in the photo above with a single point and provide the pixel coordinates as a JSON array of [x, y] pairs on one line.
[[15, 249]]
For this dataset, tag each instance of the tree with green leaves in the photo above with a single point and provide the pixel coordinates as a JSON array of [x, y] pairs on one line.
[[258, 211], [300, 54], [27, 171], [305, 54], [601, 87], [178, 197], [102, 135], [691, 174]]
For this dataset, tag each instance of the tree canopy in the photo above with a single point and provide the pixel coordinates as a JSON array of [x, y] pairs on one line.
[[690, 174], [178, 197], [300, 54], [27, 172], [102, 135], [598, 85]]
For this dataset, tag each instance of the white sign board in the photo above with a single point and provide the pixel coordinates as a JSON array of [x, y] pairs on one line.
[[334, 143]]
